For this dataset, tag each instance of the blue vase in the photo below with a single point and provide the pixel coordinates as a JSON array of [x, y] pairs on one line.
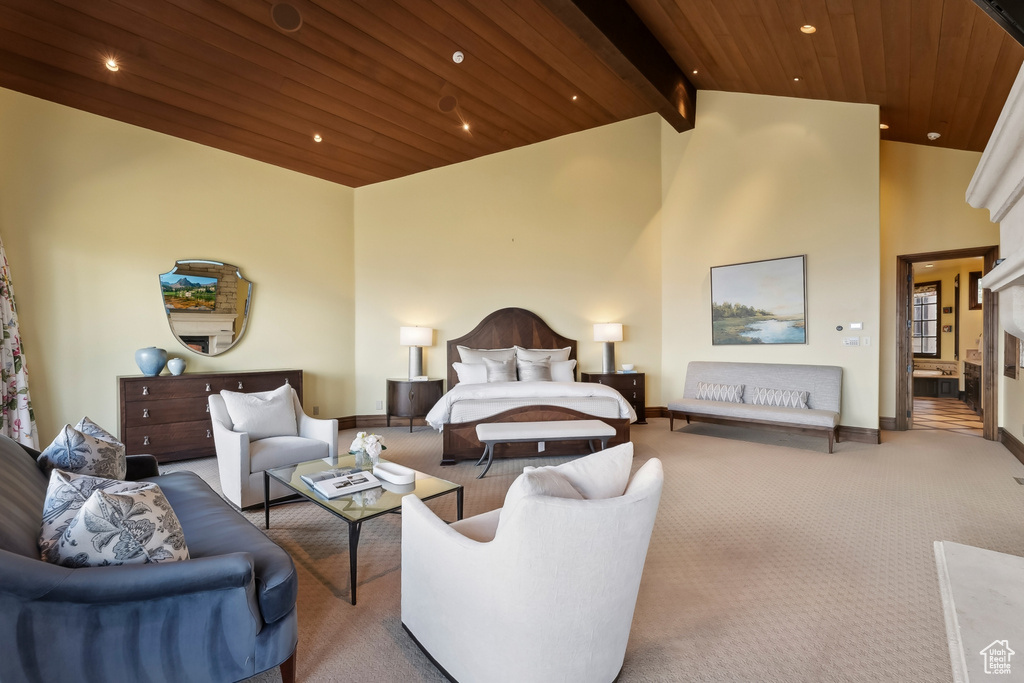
[[151, 360]]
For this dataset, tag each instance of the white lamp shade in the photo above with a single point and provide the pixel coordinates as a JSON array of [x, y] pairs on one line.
[[608, 332], [416, 336]]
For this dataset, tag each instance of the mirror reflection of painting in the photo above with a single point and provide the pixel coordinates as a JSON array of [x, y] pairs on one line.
[[188, 292], [759, 303], [207, 304]]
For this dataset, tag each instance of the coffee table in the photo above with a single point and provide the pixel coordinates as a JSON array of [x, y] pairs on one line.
[[348, 507]]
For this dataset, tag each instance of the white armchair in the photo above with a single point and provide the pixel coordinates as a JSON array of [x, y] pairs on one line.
[[548, 596], [241, 462]]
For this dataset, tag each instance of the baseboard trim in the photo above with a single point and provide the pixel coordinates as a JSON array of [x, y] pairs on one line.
[[859, 434], [887, 423], [1012, 443], [357, 421], [655, 411]]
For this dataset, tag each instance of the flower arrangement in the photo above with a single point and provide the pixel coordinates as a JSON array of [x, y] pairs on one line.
[[370, 444]]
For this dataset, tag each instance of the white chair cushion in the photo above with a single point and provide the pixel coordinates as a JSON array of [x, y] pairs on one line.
[[536, 481], [263, 413], [600, 475], [278, 451]]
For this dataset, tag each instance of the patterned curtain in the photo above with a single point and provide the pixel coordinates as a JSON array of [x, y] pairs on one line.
[[16, 417]]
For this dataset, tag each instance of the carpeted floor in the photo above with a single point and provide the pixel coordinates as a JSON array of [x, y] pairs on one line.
[[771, 561]]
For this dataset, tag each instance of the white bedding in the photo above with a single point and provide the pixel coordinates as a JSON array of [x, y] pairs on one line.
[[500, 396]]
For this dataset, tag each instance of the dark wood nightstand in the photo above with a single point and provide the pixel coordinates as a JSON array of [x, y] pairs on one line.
[[410, 399], [631, 385]]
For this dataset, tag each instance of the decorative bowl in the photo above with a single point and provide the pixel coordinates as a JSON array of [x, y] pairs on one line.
[[627, 366]]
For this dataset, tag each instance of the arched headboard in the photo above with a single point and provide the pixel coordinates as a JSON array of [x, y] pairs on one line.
[[504, 328]]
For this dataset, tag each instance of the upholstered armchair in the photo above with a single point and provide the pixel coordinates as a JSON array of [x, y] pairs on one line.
[[242, 460], [541, 590]]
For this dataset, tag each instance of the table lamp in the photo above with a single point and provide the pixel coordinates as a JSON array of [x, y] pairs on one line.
[[416, 338], [609, 333]]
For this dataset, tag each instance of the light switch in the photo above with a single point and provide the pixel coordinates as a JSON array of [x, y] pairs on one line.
[[856, 326], [866, 341]]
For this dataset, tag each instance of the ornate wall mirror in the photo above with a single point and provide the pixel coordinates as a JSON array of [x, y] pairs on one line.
[[207, 304]]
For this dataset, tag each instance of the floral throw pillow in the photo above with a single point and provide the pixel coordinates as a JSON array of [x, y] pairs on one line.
[[65, 496], [87, 426], [75, 451], [129, 527]]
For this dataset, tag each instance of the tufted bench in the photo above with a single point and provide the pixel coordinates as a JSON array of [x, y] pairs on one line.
[[823, 384]]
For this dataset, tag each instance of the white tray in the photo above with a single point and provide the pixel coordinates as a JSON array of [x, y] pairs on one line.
[[394, 473]]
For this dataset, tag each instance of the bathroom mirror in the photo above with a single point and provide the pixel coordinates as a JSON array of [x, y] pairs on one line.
[[207, 304]]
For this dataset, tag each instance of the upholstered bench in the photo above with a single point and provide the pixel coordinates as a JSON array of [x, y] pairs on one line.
[[493, 433], [806, 397]]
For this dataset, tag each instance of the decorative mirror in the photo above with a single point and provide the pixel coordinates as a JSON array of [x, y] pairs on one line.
[[207, 304]]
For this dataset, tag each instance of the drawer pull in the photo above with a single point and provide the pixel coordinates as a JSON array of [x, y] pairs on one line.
[[208, 434], [207, 407], [412, 395], [634, 383], [145, 412], [145, 441], [239, 384], [634, 394], [145, 390], [207, 386]]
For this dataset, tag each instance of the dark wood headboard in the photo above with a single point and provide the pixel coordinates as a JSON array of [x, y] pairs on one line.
[[504, 328]]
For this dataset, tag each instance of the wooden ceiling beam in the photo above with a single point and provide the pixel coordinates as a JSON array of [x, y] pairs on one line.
[[614, 31]]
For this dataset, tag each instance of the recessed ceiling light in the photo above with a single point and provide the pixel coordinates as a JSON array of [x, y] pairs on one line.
[[317, 138], [574, 98], [934, 136], [458, 57], [807, 28], [465, 126], [929, 265], [884, 126], [694, 72], [796, 78], [111, 64]]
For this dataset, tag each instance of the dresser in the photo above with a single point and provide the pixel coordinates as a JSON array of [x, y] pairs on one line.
[[410, 399], [168, 415], [631, 385]]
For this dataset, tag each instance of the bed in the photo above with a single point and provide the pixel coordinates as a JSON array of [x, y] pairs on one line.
[[463, 407]]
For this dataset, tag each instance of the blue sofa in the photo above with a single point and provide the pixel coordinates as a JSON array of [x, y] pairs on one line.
[[224, 615]]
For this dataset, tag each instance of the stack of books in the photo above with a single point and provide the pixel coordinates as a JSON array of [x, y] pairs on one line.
[[340, 481]]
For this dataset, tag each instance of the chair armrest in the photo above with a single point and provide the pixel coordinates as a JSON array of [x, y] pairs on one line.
[[231, 446], [141, 466], [31, 579], [321, 430]]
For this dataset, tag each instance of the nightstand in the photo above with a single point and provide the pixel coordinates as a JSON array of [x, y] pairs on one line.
[[410, 399], [630, 385]]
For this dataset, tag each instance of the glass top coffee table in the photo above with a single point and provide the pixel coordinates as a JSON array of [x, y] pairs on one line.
[[361, 506]]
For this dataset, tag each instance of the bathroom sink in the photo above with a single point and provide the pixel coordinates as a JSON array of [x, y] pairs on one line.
[[928, 373]]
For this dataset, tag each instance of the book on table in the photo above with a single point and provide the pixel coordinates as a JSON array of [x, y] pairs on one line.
[[345, 484], [312, 479]]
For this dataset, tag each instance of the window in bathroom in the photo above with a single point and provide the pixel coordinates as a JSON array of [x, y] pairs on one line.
[[926, 328], [976, 293]]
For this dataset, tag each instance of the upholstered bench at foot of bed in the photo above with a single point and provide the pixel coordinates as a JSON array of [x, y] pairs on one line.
[[789, 419]]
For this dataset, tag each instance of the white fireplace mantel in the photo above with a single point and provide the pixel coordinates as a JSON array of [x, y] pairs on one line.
[[998, 185]]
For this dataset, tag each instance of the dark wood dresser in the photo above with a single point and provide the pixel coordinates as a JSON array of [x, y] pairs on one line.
[[168, 415], [631, 385]]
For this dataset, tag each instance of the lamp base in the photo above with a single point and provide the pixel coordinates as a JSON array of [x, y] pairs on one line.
[[609, 357], [415, 361]]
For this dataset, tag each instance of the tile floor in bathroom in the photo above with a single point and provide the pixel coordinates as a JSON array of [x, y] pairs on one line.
[[949, 414]]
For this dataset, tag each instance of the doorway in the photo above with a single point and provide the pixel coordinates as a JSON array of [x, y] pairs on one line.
[[908, 338]]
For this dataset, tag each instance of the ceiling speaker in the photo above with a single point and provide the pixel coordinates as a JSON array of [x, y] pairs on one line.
[[286, 17], [447, 103]]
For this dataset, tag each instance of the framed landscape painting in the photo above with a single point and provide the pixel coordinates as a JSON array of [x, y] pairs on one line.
[[762, 302]]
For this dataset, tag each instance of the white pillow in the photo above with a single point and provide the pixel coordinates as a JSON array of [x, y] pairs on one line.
[[604, 474], [74, 451], [468, 355], [537, 354], [262, 414], [543, 481], [562, 371], [128, 527], [471, 373]]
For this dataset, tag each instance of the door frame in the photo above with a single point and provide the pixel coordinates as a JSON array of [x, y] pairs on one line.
[[990, 329]]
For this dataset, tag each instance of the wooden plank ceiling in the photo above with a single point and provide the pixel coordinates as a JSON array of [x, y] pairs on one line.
[[376, 81]]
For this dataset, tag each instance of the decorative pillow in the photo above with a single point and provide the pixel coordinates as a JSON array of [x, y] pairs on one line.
[[785, 398], [73, 451], [262, 414], [729, 393], [87, 426], [604, 474], [538, 354], [534, 370], [65, 496], [468, 355], [562, 371], [471, 373], [130, 527], [501, 370], [543, 481]]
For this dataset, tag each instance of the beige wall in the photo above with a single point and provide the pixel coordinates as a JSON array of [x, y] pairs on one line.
[[92, 210], [923, 210], [568, 228], [767, 177]]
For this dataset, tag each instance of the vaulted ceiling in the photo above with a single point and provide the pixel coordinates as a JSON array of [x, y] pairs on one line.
[[376, 79]]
